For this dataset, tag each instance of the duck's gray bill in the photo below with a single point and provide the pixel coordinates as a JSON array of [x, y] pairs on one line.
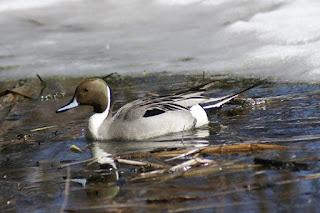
[[74, 103]]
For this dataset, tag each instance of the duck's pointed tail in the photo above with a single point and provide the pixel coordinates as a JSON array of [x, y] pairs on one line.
[[218, 102]]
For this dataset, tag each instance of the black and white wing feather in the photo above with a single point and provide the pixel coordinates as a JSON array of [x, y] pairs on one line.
[[153, 106]]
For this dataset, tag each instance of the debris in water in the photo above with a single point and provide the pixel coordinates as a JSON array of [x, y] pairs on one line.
[[23, 137], [43, 84], [281, 164], [42, 128], [75, 149]]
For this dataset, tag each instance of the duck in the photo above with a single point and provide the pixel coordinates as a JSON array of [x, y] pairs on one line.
[[148, 117]]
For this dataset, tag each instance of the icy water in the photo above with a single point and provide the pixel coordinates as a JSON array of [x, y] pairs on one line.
[[40, 173]]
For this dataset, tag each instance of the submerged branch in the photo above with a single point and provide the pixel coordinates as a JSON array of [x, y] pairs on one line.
[[66, 191], [43, 84], [281, 164]]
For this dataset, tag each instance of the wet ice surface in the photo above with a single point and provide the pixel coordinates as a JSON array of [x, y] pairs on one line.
[[31, 179], [262, 38]]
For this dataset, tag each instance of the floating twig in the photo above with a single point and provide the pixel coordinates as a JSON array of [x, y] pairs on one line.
[[75, 163], [170, 199], [213, 205], [43, 128], [184, 165], [140, 163], [184, 154], [211, 150], [190, 163], [216, 168], [166, 174], [306, 159], [254, 147], [157, 175], [152, 173]]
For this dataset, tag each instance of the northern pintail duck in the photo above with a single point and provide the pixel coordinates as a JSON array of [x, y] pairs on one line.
[[143, 118]]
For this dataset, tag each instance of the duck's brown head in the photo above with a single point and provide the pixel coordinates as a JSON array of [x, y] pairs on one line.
[[93, 92]]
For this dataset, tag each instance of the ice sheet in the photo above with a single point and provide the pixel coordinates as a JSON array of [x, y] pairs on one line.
[[270, 38]]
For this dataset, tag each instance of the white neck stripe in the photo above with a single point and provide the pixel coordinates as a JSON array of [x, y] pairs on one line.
[[96, 120], [109, 102]]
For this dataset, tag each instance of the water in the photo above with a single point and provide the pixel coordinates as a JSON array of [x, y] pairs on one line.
[[34, 172], [176, 39], [277, 38]]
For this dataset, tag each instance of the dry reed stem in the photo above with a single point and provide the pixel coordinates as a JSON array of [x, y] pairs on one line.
[[19, 93], [214, 205], [217, 168], [184, 154], [43, 128], [211, 150], [75, 163], [179, 170], [140, 163]]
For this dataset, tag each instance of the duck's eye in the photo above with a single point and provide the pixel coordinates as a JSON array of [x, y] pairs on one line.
[[86, 89]]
